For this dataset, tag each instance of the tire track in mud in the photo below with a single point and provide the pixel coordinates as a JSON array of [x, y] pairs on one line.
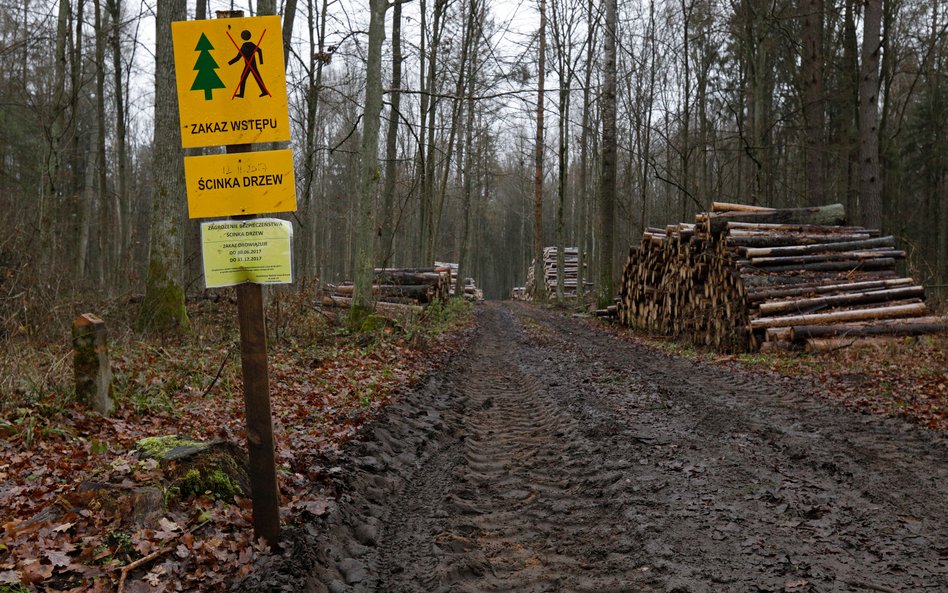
[[551, 456], [768, 486], [526, 510]]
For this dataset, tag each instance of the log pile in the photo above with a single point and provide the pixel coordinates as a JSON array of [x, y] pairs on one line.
[[471, 291], [741, 278], [397, 288], [570, 273], [451, 270]]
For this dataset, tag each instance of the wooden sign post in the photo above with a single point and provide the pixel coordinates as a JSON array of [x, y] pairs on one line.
[[232, 91], [264, 491]]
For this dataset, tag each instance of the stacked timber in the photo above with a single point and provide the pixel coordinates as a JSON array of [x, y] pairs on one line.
[[743, 277], [550, 269], [471, 292], [452, 270], [395, 288]]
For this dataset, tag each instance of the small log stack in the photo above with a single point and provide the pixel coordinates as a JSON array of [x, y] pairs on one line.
[[452, 271], [396, 288], [741, 278], [570, 273], [471, 292]]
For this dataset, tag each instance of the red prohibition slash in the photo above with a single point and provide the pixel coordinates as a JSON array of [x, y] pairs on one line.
[[247, 66]]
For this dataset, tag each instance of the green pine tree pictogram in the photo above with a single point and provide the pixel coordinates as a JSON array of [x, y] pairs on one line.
[[207, 79]]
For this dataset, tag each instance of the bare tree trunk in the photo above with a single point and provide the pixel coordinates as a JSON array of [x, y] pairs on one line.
[[685, 155], [76, 153], [561, 193], [317, 59], [756, 59], [649, 99], [123, 202], [54, 157], [707, 56], [289, 17], [561, 24], [369, 168], [538, 274], [83, 253], [81, 176], [470, 49], [870, 186], [105, 238], [851, 108], [429, 224], [584, 193], [163, 305], [457, 105], [938, 207], [607, 192], [422, 165], [812, 62], [387, 244]]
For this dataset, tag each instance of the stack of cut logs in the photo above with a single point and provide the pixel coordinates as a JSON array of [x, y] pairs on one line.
[[570, 273], [397, 289], [743, 277], [471, 292]]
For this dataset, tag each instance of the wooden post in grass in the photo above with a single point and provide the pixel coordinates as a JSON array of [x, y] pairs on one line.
[[91, 362]]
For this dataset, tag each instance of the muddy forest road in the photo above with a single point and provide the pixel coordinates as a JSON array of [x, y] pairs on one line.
[[552, 456]]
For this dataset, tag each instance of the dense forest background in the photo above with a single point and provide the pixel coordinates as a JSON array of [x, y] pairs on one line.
[[777, 103]]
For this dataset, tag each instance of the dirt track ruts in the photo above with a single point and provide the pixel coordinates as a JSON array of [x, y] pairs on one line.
[[551, 456]]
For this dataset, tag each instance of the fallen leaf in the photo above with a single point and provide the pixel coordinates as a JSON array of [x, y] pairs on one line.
[[795, 584], [316, 507], [9, 577], [168, 525], [58, 558], [36, 573], [154, 576]]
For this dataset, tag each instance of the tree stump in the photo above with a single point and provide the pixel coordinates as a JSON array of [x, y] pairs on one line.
[[91, 361], [194, 467]]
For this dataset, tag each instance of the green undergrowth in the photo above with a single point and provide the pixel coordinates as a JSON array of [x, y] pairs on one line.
[[444, 316]]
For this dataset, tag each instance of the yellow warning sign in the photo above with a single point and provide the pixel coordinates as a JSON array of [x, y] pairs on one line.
[[238, 251], [231, 81], [240, 183]]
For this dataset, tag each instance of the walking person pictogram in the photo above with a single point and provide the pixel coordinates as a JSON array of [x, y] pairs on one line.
[[248, 52]]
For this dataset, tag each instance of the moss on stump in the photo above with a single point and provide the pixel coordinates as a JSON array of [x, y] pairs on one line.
[[193, 468]]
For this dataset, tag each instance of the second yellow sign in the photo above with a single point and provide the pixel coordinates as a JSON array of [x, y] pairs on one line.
[[242, 183]]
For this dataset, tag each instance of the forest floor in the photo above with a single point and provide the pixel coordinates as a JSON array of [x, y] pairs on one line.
[[554, 455], [537, 452], [325, 383]]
